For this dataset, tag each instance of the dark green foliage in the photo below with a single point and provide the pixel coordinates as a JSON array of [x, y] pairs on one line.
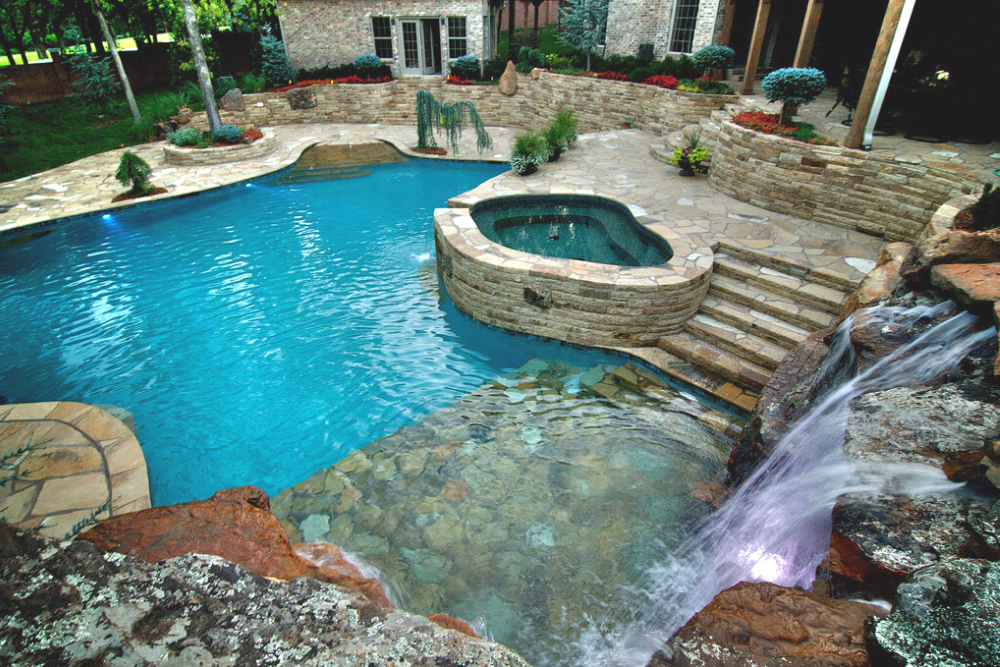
[[561, 133], [640, 74], [275, 66], [134, 171], [223, 85], [584, 23], [466, 67], [681, 67], [368, 63], [493, 69], [187, 136], [251, 83], [714, 57], [645, 52], [434, 116], [987, 210], [94, 75], [342, 72], [528, 59], [528, 153], [228, 134]]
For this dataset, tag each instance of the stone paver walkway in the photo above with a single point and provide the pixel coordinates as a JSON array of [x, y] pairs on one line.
[[63, 465]]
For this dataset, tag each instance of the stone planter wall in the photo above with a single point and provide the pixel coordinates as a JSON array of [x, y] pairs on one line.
[[845, 187], [579, 302], [189, 156], [598, 104]]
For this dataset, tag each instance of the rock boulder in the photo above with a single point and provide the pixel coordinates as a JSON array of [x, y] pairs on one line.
[[508, 80]]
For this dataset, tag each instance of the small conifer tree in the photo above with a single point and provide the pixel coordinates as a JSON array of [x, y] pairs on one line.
[[585, 22], [134, 171], [275, 66]]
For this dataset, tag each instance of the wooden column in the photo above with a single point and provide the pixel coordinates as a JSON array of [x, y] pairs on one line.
[[808, 36], [753, 58], [727, 23], [877, 79]]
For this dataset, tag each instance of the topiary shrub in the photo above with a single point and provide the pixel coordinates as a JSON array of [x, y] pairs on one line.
[[187, 136], [645, 52], [275, 66], [465, 67], [529, 152], [793, 86], [714, 57], [134, 171], [228, 134], [368, 63]]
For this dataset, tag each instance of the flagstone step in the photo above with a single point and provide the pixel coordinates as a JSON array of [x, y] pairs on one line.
[[715, 360], [782, 307], [799, 289], [818, 275], [322, 174], [744, 345], [768, 327]]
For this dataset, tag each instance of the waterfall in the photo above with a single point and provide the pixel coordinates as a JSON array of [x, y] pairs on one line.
[[776, 526]]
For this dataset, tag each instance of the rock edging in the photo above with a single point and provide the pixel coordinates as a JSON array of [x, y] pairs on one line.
[[187, 156]]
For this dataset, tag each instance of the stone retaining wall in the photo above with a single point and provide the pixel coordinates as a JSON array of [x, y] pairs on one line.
[[598, 104], [571, 300], [219, 154], [841, 186]]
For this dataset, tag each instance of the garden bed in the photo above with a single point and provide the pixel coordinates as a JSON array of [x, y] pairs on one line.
[[219, 154]]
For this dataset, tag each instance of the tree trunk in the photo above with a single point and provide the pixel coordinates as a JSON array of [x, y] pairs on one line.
[[537, 5], [201, 65], [132, 106], [511, 53], [7, 49]]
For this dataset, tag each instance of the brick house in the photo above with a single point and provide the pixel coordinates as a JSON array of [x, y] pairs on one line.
[[414, 37], [671, 26]]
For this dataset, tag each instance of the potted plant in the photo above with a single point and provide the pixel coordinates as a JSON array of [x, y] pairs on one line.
[[690, 158], [561, 134], [530, 151]]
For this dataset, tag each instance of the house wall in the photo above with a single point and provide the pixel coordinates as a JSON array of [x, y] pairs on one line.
[[318, 33], [635, 22]]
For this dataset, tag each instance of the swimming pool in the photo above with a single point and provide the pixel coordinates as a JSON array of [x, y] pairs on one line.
[[259, 332]]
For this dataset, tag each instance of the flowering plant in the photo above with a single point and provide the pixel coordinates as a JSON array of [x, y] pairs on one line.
[[251, 134], [613, 76], [689, 158], [662, 80], [354, 78], [456, 80], [769, 123]]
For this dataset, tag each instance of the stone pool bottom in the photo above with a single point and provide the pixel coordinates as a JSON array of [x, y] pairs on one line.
[[533, 502]]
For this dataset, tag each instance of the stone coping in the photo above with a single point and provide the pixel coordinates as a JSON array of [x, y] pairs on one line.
[[187, 155], [64, 463], [580, 302], [944, 218]]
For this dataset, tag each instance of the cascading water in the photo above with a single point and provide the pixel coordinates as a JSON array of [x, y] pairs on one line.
[[776, 526]]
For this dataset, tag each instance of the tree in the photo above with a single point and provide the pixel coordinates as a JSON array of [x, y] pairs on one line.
[[134, 171], [793, 86], [110, 39], [275, 66], [201, 65], [434, 116], [585, 22]]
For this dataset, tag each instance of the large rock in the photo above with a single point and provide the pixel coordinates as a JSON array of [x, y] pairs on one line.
[[950, 247], [508, 80], [235, 524], [881, 281], [301, 98], [70, 604], [975, 285], [763, 624], [233, 101], [944, 615]]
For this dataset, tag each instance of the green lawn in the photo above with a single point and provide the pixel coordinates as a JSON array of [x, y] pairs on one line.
[[49, 134], [123, 43]]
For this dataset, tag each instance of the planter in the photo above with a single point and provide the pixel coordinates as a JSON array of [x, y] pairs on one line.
[[527, 169], [219, 154]]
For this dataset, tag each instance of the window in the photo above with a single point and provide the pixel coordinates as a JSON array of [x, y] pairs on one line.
[[685, 17], [382, 29], [457, 44]]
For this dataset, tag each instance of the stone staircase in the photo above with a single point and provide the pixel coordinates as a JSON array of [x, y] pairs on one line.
[[758, 308]]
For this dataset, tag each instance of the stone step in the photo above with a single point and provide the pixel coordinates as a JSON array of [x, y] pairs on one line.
[[799, 288], [322, 174], [768, 327], [744, 345], [775, 305], [715, 361], [790, 266]]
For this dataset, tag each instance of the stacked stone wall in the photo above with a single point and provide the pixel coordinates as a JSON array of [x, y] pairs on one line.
[[845, 187]]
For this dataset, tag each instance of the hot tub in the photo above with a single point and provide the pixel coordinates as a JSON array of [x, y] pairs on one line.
[[583, 227], [553, 284]]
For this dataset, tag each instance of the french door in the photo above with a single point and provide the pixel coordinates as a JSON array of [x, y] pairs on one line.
[[421, 46]]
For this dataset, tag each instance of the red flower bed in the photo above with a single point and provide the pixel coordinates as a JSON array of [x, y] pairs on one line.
[[768, 124], [252, 134], [613, 76], [663, 81], [347, 79], [456, 80]]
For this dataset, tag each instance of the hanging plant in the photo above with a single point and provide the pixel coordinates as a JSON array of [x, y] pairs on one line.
[[434, 117]]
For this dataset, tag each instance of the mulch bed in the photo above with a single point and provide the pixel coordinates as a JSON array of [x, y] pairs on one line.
[[125, 196]]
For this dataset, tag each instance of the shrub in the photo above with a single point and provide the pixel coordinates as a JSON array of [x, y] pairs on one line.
[[368, 63], [662, 80], [275, 66], [793, 85], [986, 211], [714, 57], [529, 152], [187, 136], [561, 133], [692, 155], [228, 134], [681, 67], [252, 83], [251, 134], [645, 52], [95, 76], [223, 85], [466, 67], [555, 61], [528, 59], [612, 76], [134, 171], [640, 74], [493, 69]]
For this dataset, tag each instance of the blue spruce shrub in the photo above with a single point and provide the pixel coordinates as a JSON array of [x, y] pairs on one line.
[[187, 136], [228, 134], [275, 66], [466, 67], [714, 57], [794, 85], [367, 63]]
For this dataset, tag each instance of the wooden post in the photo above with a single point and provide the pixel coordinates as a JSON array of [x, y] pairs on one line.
[[753, 58], [727, 23], [877, 79], [808, 36]]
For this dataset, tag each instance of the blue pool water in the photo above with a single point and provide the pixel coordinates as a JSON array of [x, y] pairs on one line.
[[258, 333]]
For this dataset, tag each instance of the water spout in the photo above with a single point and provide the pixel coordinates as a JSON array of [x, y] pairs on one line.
[[776, 526]]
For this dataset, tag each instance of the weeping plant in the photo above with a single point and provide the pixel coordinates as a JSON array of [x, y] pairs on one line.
[[434, 117]]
